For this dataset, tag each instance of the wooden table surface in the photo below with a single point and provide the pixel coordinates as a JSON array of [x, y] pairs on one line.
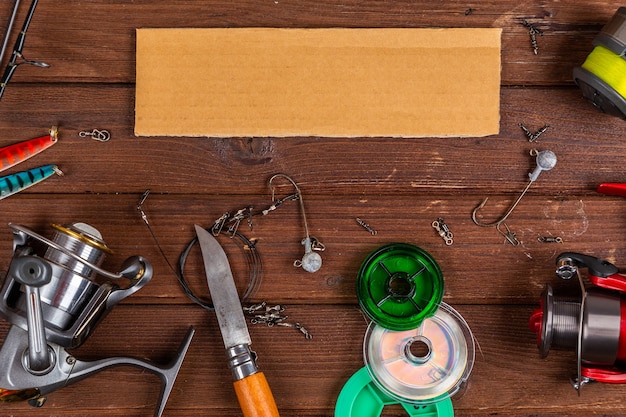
[[399, 186]]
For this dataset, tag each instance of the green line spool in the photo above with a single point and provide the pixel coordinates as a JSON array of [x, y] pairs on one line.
[[399, 285], [602, 77]]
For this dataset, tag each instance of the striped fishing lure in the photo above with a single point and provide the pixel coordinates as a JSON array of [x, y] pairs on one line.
[[19, 152], [19, 181]]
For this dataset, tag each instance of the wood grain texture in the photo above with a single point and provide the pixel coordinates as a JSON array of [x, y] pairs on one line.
[[399, 186]]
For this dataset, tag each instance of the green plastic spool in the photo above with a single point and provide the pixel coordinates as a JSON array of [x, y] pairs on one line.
[[399, 285], [360, 397]]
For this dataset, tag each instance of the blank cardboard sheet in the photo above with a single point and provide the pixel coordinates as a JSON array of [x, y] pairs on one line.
[[317, 82]]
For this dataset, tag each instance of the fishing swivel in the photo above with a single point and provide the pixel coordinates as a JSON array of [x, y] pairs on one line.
[[311, 260], [546, 160]]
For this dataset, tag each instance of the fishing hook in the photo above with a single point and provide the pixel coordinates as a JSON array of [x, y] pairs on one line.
[[546, 160], [311, 261]]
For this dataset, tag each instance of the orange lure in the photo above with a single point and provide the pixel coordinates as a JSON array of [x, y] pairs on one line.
[[14, 154]]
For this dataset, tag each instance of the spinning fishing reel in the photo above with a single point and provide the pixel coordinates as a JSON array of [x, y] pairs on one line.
[[593, 325], [53, 302]]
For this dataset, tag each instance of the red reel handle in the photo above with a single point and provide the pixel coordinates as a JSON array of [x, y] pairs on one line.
[[612, 188], [612, 282], [607, 376]]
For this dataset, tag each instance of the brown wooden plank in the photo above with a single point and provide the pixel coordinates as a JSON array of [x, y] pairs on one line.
[[307, 375], [589, 152], [398, 186], [479, 268], [94, 41]]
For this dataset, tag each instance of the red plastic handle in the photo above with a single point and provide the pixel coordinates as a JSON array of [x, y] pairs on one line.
[[612, 188], [612, 282], [604, 375]]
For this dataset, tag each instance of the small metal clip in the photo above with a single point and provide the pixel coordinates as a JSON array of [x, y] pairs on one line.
[[443, 231], [236, 219], [540, 132], [550, 239], [218, 225], [527, 132], [532, 137], [299, 327], [254, 307], [304, 331], [96, 134], [508, 234], [533, 31], [366, 226], [142, 200], [272, 316]]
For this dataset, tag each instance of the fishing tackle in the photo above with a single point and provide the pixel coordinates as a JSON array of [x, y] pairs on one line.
[[546, 160], [18, 48], [443, 230], [550, 239], [19, 152], [14, 183], [533, 32], [366, 226], [271, 316], [592, 324], [96, 134], [539, 132], [53, 301], [533, 136], [311, 260], [252, 258]]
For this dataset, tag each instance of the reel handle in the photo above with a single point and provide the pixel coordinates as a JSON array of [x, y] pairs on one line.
[[602, 273], [33, 272], [18, 383], [168, 374], [607, 376]]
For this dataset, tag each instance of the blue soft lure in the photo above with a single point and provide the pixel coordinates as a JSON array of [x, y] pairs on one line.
[[14, 183]]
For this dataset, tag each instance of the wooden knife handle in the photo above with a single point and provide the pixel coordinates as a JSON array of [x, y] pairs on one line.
[[255, 397]]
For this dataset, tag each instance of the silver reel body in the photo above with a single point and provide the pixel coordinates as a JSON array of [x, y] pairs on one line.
[[53, 300]]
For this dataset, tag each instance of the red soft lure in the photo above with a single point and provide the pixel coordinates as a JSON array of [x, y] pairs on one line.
[[19, 152]]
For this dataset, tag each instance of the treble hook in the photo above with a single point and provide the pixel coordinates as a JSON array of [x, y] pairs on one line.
[[311, 261], [546, 160]]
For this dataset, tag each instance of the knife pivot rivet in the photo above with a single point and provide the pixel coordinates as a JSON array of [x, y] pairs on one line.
[[241, 361]]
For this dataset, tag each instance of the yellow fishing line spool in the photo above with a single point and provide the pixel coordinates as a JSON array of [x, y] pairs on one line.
[[602, 77]]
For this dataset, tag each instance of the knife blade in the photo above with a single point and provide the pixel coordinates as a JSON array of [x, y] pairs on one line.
[[253, 392]]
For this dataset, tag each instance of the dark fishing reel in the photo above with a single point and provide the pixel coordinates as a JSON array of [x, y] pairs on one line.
[[593, 324], [53, 300]]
